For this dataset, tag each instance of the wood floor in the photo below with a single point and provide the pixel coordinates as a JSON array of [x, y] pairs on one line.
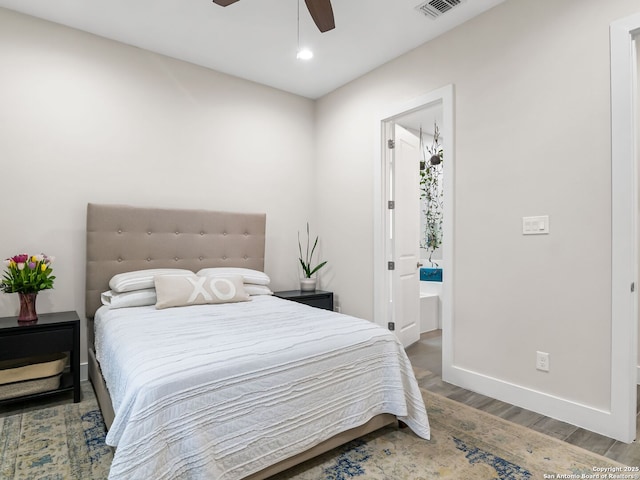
[[426, 358]]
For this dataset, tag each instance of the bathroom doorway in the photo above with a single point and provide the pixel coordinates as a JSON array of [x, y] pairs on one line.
[[431, 108], [425, 125]]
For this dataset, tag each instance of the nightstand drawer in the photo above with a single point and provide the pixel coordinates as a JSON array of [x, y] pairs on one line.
[[32, 343], [318, 298], [325, 302]]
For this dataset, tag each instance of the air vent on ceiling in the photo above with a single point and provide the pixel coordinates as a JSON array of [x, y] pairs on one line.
[[435, 8]]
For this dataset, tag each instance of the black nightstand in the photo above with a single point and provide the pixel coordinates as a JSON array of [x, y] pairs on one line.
[[52, 333], [317, 298]]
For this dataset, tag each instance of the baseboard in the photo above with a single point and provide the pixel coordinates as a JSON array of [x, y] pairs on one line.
[[84, 372], [584, 416]]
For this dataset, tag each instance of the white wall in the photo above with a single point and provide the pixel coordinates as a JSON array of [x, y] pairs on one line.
[[85, 119], [532, 137]]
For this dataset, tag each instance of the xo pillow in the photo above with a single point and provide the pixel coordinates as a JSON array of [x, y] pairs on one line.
[[253, 277], [185, 290], [141, 279]]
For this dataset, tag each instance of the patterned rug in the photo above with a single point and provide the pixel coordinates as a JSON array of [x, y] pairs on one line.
[[66, 442], [466, 444]]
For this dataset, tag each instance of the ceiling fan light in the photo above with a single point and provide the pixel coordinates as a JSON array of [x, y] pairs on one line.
[[304, 54]]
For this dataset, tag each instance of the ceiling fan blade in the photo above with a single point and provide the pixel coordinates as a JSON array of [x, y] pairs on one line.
[[224, 3], [322, 14]]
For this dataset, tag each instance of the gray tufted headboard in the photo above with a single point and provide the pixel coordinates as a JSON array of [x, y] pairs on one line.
[[124, 238]]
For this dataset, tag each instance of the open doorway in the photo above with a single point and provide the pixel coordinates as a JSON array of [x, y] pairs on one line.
[[424, 124], [434, 107]]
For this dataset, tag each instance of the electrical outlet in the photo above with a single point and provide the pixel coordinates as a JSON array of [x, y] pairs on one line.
[[542, 361]]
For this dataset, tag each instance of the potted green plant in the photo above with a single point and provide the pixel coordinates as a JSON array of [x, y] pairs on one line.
[[307, 283], [431, 195]]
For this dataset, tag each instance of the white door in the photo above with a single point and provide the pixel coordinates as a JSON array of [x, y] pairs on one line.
[[406, 236]]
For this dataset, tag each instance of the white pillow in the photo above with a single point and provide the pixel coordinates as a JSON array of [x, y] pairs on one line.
[[257, 289], [141, 279], [253, 277], [137, 298], [183, 290]]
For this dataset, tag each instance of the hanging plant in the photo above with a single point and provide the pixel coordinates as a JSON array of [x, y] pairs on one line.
[[431, 193]]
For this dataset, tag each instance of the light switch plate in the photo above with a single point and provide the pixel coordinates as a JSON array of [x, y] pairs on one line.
[[535, 225]]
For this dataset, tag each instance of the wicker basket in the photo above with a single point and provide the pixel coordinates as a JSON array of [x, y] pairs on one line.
[[26, 376]]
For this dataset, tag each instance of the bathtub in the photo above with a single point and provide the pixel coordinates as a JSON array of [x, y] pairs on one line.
[[430, 303]]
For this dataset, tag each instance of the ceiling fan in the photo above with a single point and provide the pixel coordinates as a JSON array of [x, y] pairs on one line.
[[320, 11]]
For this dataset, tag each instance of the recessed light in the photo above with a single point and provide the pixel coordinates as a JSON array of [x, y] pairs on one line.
[[304, 54]]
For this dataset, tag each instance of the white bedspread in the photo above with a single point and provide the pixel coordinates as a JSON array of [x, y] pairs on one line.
[[222, 391]]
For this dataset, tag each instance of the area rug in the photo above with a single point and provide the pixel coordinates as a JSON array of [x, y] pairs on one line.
[[66, 442], [466, 444]]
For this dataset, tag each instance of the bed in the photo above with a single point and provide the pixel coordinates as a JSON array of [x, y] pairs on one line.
[[264, 384]]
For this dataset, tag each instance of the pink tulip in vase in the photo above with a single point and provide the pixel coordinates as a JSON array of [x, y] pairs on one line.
[[26, 275]]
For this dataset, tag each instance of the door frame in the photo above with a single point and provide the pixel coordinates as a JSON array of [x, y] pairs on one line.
[[381, 247], [624, 234]]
